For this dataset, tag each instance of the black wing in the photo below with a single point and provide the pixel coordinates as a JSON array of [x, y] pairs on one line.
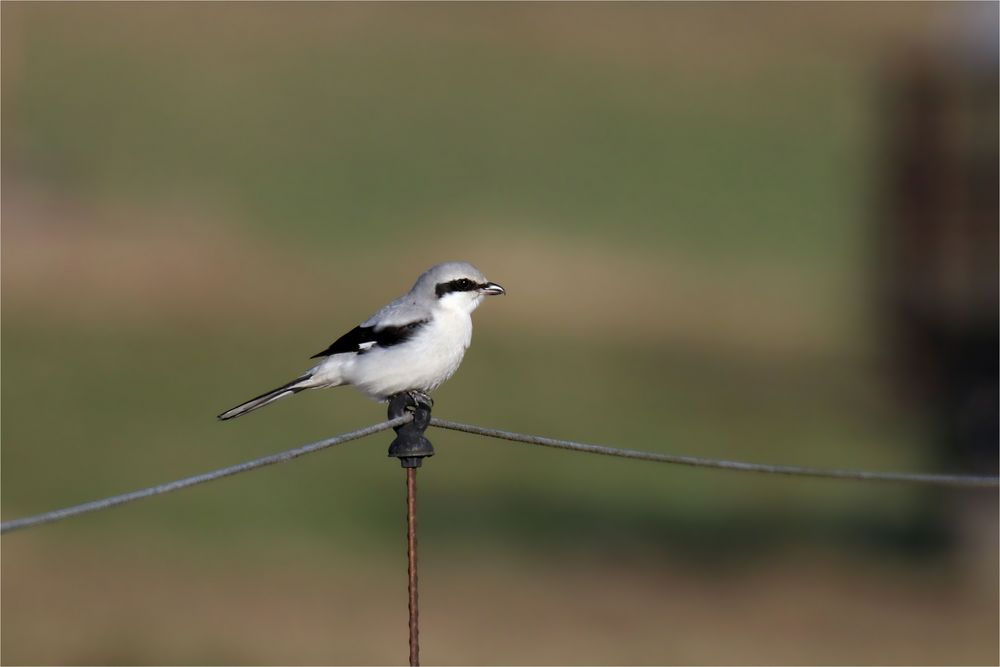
[[361, 339]]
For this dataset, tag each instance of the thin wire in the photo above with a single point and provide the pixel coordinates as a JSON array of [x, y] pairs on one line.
[[280, 457], [863, 475]]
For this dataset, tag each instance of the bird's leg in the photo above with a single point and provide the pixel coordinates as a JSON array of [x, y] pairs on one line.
[[421, 398]]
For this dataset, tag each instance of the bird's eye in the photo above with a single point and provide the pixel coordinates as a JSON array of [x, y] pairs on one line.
[[457, 285]]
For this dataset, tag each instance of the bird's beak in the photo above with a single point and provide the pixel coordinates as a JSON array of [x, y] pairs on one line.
[[492, 288]]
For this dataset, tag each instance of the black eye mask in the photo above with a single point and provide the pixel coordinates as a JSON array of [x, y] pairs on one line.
[[460, 285]]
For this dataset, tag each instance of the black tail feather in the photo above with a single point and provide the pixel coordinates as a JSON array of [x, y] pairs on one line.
[[266, 398]]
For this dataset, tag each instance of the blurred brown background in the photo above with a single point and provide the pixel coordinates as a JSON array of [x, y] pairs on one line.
[[764, 231]]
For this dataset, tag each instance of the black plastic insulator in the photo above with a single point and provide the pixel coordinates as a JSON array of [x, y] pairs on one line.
[[410, 445]]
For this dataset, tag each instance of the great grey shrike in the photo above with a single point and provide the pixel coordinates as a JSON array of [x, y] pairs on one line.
[[411, 345]]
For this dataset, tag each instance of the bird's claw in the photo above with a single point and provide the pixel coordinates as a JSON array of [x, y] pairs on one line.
[[421, 398]]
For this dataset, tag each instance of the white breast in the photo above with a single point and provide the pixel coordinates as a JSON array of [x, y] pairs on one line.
[[424, 362]]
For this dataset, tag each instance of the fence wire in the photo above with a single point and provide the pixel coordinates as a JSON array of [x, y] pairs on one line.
[[861, 475], [658, 457], [280, 457]]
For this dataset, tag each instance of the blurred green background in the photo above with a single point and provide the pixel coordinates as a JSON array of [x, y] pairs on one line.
[[682, 201]]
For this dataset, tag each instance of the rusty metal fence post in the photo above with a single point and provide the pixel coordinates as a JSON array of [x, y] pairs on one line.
[[411, 447]]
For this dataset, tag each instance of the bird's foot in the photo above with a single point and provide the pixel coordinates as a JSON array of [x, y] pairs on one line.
[[421, 398]]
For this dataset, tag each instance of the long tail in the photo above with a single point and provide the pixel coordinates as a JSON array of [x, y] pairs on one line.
[[293, 387]]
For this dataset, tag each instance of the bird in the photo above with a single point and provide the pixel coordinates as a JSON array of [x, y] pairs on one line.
[[413, 344]]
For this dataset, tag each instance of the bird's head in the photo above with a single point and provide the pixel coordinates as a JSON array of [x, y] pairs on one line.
[[456, 285]]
